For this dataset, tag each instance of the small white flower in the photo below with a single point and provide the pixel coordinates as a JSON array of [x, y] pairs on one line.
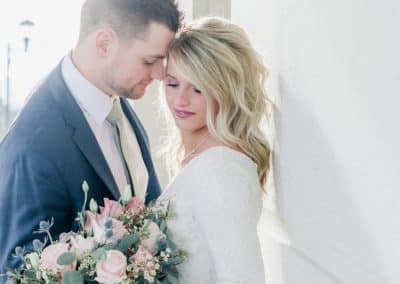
[[34, 260]]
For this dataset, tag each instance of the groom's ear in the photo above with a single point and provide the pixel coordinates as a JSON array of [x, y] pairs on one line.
[[105, 40]]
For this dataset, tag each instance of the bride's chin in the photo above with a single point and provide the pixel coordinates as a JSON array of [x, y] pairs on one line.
[[190, 130]]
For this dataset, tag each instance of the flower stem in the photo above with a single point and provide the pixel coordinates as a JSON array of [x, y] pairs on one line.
[[50, 238]]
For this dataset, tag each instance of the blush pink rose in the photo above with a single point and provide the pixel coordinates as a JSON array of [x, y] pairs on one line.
[[50, 255], [91, 219], [112, 269], [111, 209], [135, 205]]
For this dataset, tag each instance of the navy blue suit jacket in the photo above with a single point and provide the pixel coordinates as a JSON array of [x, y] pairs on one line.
[[48, 152]]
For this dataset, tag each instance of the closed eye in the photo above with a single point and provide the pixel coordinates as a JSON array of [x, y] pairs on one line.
[[149, 63], [197, 91], [172, 85]]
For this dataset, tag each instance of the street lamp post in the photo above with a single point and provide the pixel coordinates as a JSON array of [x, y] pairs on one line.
[[26, 26]]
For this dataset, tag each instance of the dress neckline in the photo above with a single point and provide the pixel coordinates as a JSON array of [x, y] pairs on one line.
[[204, 154], [214, 148]]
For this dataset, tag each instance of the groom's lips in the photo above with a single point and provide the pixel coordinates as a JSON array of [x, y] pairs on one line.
[[183, 113]]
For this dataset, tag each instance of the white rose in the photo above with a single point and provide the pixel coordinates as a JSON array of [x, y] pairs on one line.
[[80, 245]]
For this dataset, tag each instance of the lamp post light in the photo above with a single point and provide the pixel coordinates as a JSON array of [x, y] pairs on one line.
[[26, 27]]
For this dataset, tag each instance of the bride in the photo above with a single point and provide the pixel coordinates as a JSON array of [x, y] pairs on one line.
[[214, 89]]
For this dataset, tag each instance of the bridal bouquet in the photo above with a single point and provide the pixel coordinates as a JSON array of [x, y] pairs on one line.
[[123, 242]]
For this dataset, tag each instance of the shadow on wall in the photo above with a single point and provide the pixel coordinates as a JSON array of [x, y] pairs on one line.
[[330, 241]]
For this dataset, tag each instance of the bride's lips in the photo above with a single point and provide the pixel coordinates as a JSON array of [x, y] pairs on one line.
[[183, 113]]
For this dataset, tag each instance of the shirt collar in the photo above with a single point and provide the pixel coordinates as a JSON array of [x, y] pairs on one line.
[[91, 99]]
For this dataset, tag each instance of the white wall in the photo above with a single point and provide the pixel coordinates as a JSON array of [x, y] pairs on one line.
[[339, 155]]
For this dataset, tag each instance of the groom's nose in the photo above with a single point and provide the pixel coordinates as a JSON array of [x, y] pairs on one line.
[[157, 71]]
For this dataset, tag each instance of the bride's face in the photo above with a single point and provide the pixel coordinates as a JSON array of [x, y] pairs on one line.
[[185, 101]]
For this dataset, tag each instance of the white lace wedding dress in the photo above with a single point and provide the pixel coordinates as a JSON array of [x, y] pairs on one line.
[[217, 201]]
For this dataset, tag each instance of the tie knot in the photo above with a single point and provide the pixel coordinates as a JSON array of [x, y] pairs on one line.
[[115, 114]]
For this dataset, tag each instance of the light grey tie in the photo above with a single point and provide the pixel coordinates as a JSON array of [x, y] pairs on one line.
[[119, 133]]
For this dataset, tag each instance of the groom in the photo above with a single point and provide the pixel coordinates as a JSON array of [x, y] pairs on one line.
[[78, 125]]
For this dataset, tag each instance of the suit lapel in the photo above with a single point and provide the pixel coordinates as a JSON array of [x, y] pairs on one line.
[[86, 141], [83, 135]]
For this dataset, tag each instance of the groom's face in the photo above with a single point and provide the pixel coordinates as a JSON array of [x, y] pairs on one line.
[[136, 63]]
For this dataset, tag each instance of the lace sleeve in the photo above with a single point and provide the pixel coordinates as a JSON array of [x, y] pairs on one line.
[[227, 206]]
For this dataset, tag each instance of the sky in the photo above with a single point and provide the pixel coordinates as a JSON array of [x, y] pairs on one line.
[[54, 34]]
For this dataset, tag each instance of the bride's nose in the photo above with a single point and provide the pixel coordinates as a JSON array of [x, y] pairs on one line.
[[182, 98]]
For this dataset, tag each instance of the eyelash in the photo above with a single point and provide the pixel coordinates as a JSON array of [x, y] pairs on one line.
[[172, 85], [197, 91]]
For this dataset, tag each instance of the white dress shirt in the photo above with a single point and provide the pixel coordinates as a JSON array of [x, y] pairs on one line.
[[96, 105]]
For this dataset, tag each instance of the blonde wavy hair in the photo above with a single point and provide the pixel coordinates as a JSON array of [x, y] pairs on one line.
[[217, 57]]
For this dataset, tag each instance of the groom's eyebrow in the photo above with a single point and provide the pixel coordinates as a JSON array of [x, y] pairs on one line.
[[170, 76], [157, 56]]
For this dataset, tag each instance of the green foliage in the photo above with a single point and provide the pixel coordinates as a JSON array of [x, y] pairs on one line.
[[99, 254], [126, 243], [167, 256], [66, 258], [126, 196], [72, 277], [172, 279]]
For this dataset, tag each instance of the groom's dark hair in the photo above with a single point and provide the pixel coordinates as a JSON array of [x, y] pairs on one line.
[[128, 18]]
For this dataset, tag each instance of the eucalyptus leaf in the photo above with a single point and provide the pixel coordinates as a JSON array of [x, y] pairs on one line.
[[175, 260], [171, 244], [162, 244], [168, 233], [127, 242], [99, 254], [66, 258], [172, 279], [173, 271], [163, 226], [72, 277], [30, 274], [109, 246]]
